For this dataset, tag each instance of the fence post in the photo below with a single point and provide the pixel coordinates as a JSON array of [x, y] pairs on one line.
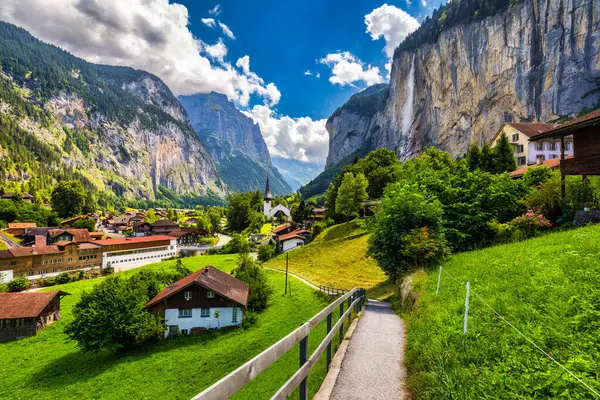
[[467, 308], [287, 255], [439, 279], [329, 321], [342, 324], [303, 358], [350, 311]]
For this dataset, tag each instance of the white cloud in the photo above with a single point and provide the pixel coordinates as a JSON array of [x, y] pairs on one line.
[[347, 69], [210, 22], [297, 138], [307, 72], [216, 10], [423, 3], [152, 35], [318, 75], [217, 51], [226, 30], [392, 23]]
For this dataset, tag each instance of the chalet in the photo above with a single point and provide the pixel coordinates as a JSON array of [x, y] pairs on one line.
[[27, 198], [527, 151], [122, 223], [188, 236], [585, 132], [68, 235], [317, 214], [29, 238], [126, 253], [25, 314], [163, 226], [189, 304], [19, 228], [283, 229], [296, 238]]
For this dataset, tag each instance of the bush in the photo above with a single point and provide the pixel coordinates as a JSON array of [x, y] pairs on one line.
[[237, 245], [112, 316], [407, 231], [530, 223], [259, 290], [249, 320], [46, 282], [18, 284], [266, 252], [63, 278], [108, 270]]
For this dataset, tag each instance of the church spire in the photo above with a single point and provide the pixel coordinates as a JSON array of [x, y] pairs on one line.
[[268, 195]]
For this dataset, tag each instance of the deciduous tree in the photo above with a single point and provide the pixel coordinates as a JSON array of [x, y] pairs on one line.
[[68, 198]]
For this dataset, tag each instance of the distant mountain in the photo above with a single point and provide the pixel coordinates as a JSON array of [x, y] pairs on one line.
[[234, 142], [296, 172], [120, 131]]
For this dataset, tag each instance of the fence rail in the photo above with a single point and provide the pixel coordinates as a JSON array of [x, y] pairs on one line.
[[331, 291], [354, 300]]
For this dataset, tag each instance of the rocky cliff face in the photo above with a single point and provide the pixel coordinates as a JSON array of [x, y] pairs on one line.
[[538, 60], [234, 141]]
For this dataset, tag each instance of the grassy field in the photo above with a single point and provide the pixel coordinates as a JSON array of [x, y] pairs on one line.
[[548, 287], [266, 228], [338, 258], [3, 245], [48, 366]]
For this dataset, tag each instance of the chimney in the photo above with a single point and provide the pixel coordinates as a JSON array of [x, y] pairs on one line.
[[205, 273]]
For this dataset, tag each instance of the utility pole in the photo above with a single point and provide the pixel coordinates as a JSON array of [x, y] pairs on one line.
[[287, 257]]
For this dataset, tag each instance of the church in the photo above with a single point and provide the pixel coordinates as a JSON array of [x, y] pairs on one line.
[[270, 212]]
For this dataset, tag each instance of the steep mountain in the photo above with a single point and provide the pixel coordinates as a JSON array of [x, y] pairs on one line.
[[235, 142], [297, 172], [474, 65], [118, 130]]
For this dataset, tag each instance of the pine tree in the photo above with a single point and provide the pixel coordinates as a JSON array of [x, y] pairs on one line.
[[487, 163], [504, 157], [474, 157]]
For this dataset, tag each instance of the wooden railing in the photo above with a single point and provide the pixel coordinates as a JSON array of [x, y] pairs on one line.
[[333, 292], [230, 384]]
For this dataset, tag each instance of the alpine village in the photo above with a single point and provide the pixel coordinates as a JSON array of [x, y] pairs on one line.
[[415, 218]]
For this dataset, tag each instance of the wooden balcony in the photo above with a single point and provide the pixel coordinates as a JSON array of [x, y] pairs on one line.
[[581, 165]]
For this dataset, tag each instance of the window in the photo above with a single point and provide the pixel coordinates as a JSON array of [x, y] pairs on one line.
[[205, 312], [234, 314], [520, 148], [185, 313], [540, 158], [552, 146], [187, 295], [515, 137], [210, 294], [539, 146], [568, 146], [184, 332], [553, 156]]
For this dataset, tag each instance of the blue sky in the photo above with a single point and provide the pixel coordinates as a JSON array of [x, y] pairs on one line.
[[257, 53]]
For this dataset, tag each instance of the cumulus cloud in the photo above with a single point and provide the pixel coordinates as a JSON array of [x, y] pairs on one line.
[[392, 23], [217, 51], [210, 22], [226, 30], [152, 35], [307, 72], [216, 10], [297, 138], [347, 69]]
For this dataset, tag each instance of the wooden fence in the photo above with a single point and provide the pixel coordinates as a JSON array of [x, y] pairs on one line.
[[333, 292], [354, 300]]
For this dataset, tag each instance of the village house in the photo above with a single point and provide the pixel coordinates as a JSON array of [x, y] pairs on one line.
[[163, 226], [127, 253], [189, 304], [68, 235], [25, 314], [19, 228], [288, 237], [27, 198], [189, 236], [527, 151]]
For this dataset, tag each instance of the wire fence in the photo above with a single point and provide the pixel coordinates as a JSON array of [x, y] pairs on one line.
[[470, 291]]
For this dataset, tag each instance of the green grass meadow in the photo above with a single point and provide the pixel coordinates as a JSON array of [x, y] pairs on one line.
[[547, 287], [48, 366], [338, 258]]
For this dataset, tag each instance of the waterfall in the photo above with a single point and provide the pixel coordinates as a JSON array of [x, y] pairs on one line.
[[407, 108]]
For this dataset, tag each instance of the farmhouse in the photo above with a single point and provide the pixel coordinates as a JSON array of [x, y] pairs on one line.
[[190, 303], [19, 228], [25, 314], [127, 253], [288, 236]]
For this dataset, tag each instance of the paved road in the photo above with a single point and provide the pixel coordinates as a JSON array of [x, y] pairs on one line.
[[9, 243], [223, 240], [373, 367]]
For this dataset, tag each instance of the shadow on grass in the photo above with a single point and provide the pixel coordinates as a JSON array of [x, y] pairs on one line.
[[383, 291]]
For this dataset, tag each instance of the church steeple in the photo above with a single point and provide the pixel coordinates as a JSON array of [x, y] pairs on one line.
[[268, 196]]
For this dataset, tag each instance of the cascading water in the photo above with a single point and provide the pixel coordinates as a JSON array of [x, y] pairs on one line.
[[407, 108]]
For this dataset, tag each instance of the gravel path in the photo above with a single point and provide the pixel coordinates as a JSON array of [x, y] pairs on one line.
[[373, 367]]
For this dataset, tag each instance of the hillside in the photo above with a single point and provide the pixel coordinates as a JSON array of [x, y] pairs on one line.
[[338, 258], [547, 287], [234, 142], [47, 366], [118, 130]]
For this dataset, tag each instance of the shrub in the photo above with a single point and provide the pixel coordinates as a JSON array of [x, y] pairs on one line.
[[259, 290], [504, 233], [265, 252], [530, 223], [407, 230], [237, 244], [112, 316], [63, 278], [108, 270], [47, 282], [249, 320], [18, 284]]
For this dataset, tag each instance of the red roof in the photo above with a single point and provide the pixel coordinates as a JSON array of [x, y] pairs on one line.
[[79, 235], [554, 163], [25, 304], [210, 278], [293, 234], [283, 227], [530, 129], [17, 225], [584, 118], [143, 239], [29, 251]]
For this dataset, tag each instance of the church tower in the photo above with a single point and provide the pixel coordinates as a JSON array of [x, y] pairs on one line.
[[267, 197]]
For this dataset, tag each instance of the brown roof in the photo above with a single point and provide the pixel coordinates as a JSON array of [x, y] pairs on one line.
[[88, 246], [17, 225], [293, 234], [530, 129], [95, 235], [283, 227], [569, 126], [79, 235], [210, 278], [164, 222], [25, 304], [68, 221], [142, 239], [554, 163], [29, 251]]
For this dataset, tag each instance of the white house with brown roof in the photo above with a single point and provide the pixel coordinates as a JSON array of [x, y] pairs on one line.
[[133, 252], [189, 304], [528, 152]]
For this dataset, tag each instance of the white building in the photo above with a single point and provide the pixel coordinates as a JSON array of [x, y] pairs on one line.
[[129, 253], [206, 299], [273, 212]]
